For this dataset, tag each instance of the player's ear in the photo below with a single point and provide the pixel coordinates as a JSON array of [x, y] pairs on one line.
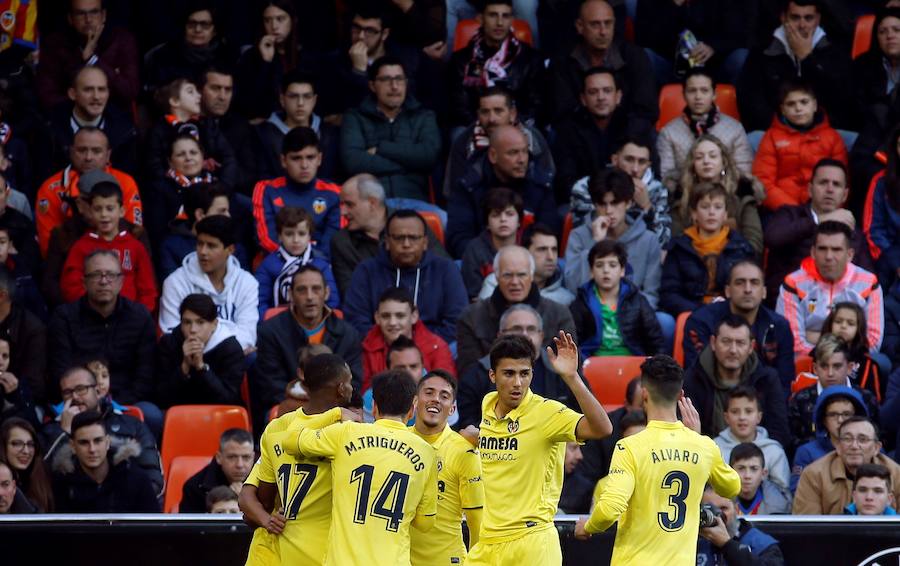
[[492, 376], [453, 408]]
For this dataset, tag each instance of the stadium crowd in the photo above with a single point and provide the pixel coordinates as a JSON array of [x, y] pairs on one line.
[[192, 207]]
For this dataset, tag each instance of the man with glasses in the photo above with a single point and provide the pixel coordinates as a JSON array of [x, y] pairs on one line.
[[391, 135], [434, 282], [78, 388], [826, 485], [88, 41], [102, 324], [480, 322]]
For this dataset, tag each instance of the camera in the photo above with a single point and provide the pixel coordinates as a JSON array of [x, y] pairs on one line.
[[708, 515]]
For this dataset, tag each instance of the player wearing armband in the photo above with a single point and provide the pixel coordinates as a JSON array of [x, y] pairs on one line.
[[656, 479], [522, 445], [297, 491], [459, 476], [384, 477]]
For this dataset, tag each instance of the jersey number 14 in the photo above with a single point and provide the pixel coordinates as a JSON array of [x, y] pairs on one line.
[[388, 504]]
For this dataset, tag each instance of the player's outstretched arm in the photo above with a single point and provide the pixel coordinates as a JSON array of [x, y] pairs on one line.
[[595, 423], [615, 497]]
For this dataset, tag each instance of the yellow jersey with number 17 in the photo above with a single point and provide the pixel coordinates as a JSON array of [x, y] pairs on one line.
[[304, 488], [383, 477], [656, 481], [263, 549], [459, 488]]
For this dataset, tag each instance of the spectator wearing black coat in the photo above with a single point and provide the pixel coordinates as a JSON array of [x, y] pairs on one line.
[[727, 362], [200, 362], [101, 476], [27, 338], [600, 46], [229, 467], [78, 388]]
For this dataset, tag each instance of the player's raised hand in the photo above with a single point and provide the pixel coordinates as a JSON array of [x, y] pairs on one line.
[[565, 360], [689, 414], [580, 533]]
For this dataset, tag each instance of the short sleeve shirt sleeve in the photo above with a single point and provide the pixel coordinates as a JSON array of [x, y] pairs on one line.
[[558, 421]]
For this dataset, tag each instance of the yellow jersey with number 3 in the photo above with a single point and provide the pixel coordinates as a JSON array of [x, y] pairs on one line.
[[383, 476], [264, 545], [304, 488], [459, 488], [656, 482]]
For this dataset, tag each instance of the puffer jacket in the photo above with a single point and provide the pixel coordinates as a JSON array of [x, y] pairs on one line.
[[435, 352], [786, 157], [638, 326], [676, 139]]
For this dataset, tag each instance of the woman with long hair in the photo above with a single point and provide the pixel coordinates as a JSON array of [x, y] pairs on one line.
[[20, 449]]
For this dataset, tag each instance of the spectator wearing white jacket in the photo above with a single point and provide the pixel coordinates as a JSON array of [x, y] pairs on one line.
[[213, 270]]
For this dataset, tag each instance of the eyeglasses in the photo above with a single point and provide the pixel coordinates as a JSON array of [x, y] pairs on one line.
[[19, 445], [87, 14], [102, 275], [392, 80], [202, 25], [356, 28], [77, 390], [848, 439], [835, 415], [402, 238]]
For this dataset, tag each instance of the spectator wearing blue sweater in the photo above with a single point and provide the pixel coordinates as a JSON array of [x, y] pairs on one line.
[[434, 282], [276, 272]]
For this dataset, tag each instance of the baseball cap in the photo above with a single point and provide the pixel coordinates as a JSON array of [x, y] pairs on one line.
[[90, 179]]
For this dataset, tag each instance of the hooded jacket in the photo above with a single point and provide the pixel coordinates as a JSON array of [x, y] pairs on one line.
[[685, 279], [318, 197], [821, 444], [806, 297], [641, 245], [219, 382], [237, 303], [786, 156], [801, 410], [407, 146], [702, 386], [196, 488], [554, 289], [776, 460], [126, 488], [435, 352], [435, 284], [772, 336], [480, 322], [180, 242], [676, 139], [638, 326]]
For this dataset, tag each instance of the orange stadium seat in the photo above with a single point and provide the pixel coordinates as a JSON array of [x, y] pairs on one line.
[[183, 467], [678, 345], [802, 381], [466, 29], [608, 377], [671, 102], [803, 364], [862, 35], [194, 430], [274, 311], [434, 224]]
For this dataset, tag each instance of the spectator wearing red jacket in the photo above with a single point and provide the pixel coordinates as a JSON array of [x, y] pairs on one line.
[[139, 283], [797, 139], [397, 316]]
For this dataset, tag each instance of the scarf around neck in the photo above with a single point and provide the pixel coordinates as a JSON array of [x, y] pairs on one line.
[[282, 288], [483, 71], [709, 249], [186, 181], [704, 124]]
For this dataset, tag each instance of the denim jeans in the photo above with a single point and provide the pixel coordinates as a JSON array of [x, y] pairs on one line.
[[667, 323], [461, 10]]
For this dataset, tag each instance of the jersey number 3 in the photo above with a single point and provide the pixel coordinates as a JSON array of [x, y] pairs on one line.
[[673, 518], [292, 502], [388, 504]]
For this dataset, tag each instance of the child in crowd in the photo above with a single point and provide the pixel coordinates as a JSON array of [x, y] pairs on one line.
[[847, 320], [611, 316], [698, 261], [222, 500], [276, 272], [759, 495], [872, 494], [138, 281], [504, 209], [743, 413]]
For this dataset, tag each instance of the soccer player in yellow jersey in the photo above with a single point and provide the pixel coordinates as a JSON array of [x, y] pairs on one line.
[[384, 477], [459, 476], [297, 490], [656, 479], [522, 445]]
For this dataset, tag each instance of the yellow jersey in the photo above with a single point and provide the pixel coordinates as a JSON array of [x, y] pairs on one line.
[[303, 486], [459, 488], [522, 458], [656, 481], [383, 477], [264, 545]]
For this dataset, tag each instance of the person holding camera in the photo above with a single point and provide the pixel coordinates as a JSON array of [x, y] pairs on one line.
[[727, 540]]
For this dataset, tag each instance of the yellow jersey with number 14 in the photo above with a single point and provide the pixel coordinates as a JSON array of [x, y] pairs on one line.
[[656, 482], [459, 488]]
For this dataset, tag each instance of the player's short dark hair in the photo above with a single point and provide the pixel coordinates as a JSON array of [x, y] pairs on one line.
[[832, 227], [498, 90], [236, 435], [393, 391], [499, 199], [746, 451], [873, 471], [513, 347], [199, 304], [218, 226], [291, 216], [201, 197], [599, 71], [663, 378], [401, 344], [306, 269], [733, 321], [298, 139], [88, 418], [829, 162], [385, 61], [537, 228], [706, 189], [398, 295], [611, 180], [744, 392], [403, 213], [698, 72], [324, 369], [440, 374], [633, 418], [605, 248], [741, 263], [105, 189], [219, 494], [298, 77], [860, 419]]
